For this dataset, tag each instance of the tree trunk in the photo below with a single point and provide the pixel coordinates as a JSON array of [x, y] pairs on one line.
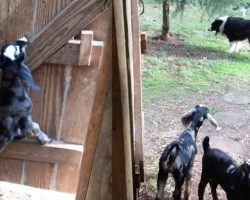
[[165, 19]]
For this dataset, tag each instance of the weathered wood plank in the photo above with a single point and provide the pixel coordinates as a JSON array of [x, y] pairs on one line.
[[70, 53], [118, 160], [19, 20], [102, 28], [124, 66], [138, 118], [67, 177], [48, 101], [38, 174], [71, 49], [50, 153], [70, 21], [11, 170], [81, 99], [101, 175], [85, 48], [46, 10]]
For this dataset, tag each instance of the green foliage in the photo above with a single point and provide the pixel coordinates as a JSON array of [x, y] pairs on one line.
[[210, 7]]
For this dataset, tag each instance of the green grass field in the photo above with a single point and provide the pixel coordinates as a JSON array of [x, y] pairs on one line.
[[200, 63]]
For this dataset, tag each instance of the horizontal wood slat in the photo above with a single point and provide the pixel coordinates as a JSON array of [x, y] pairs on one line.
[[50, 153]]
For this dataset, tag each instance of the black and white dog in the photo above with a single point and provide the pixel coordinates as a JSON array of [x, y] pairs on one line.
[[236, 29]]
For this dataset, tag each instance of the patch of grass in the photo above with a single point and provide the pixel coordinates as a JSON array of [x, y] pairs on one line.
[[214, 110], [200, 64]]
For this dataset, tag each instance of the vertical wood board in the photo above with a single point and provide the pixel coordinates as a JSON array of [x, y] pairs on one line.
[[80, 100], [19, 21], [104, 76], [38, 174], [47, 103], [46, 10], [67, 178], [101, 174], [11, 170]]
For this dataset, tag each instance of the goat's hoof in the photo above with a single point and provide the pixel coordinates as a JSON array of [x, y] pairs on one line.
[[43, 138]]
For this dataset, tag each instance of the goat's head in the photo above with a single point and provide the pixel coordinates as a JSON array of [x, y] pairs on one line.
[[11, 62], [245, 169], [197, 115]]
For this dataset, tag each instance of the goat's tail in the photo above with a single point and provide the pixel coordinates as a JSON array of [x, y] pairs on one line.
[[205, 144], [170, 153]]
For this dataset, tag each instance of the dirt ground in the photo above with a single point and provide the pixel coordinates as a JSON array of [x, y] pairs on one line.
[[163, 125], [10, 191]]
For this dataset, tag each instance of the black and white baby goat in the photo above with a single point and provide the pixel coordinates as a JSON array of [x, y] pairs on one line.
[[178, 156], [15, 104], [219, 168]]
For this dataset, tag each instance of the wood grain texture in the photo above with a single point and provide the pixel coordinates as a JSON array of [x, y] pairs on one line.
[[51, 153], [38, 174], [124, 64], [137, 96], [67, 178], [71, 20], [47, 103], [81, 99], [11, 170], [18, 21], [101, 175], [67, 55], [46, 10], [118, 160], [85, 48], [102, 28]]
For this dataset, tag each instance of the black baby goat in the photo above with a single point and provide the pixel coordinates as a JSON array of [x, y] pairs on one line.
[[178, 157], [220, 168], [15, 104]]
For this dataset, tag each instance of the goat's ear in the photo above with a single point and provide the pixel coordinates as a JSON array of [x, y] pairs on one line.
[[186, 118], [25, 74], [212, 120]]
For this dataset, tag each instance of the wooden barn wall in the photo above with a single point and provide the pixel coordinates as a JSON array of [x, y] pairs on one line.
[[62, 107], [27, 17]]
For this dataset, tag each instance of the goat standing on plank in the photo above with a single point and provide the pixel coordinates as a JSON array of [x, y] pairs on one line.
[[220, 168], [15, 104], [178, 157]]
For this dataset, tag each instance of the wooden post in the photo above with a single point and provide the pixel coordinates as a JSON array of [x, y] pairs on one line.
[[143, 42], [102, 29], [85, 48], [126, 109]]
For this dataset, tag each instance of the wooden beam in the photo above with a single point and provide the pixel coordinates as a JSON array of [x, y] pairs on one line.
[[102, 29], [64, 26], [123, 67], [138, 116], [50, 153]]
